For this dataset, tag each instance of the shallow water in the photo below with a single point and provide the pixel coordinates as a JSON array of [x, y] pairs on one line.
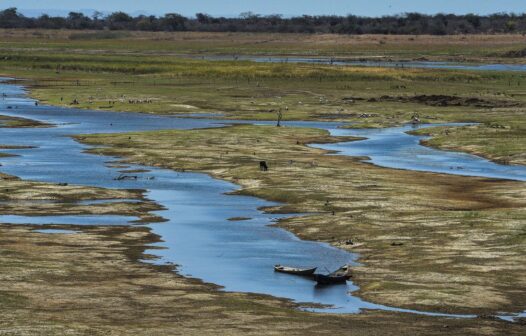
[[56, 231], [73, 219], [386, 64], [513, 317], [394, 148], [108, 201], [198, 235]]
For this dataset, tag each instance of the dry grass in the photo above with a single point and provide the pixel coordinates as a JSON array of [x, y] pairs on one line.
[[415, 231], [458, 242], [491, 48], [7, 122], [501, 143], [91, 283]]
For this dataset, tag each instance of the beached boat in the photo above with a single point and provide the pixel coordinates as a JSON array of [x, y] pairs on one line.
[[345, 270], [341, 275], [294, 271], [323, 279]]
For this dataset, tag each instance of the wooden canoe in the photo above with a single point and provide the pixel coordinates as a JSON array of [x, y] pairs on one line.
[[345, 270], [323, 279], [294, 271], [341, 275]]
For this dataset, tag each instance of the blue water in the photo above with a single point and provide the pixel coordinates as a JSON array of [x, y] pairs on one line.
[[394, 148], [74, 219], [513, 317], [197, 235], [56, 231], [386, 64]]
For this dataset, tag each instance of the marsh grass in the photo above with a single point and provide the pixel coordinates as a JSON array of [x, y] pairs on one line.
[[414, 231], [99, 35], [503, 143], [459, 47], [246, 90], [461, 238]]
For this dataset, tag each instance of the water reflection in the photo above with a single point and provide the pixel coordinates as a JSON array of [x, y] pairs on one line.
[[238, 255]]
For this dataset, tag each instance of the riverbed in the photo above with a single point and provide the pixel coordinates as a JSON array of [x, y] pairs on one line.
[[198, 235]]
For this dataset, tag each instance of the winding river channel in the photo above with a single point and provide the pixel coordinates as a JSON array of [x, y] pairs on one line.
[[368, 63], [239, 256]]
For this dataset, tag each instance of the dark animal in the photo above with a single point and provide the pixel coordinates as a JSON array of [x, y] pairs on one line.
[[263, 166]]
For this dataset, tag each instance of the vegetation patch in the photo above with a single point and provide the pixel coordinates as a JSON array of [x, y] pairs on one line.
[[444, 100], [427, 241], [414, 231], [15, 122], [101, 35], [501, 143]]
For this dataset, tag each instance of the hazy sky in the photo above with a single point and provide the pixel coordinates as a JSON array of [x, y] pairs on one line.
[[287, 7]]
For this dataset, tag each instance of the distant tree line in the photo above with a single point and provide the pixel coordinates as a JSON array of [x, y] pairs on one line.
[[409, 23]]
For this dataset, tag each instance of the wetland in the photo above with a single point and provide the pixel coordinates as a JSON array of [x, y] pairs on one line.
[[408, 218]]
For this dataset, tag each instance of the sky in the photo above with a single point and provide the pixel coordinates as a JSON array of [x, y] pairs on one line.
[[285, 7]]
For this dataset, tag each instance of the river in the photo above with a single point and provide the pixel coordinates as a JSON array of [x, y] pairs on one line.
[[239, 256]]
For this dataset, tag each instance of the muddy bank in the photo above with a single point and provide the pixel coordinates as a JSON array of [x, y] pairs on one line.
[[12, 122], [391, 216], [442, 101], [515, 53], [26, 198], [90, 284], [486, 140]]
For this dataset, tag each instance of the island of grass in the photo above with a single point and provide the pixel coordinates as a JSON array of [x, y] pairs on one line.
[[426, 241], [124, 75], [15, 122], [415, 231]]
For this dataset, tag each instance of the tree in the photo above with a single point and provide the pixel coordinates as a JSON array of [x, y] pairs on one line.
[[173, 22], [511, 26], [147, 23], [96, 15], [203, 18], [78, 20], [408, 23], [119, 20], [474, 20], [248, 15], [119, 17], [10, 18]]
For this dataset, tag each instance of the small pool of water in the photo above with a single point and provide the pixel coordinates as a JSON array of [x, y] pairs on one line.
[[73, 219], [513, 317], [55, 231], [109, 201]]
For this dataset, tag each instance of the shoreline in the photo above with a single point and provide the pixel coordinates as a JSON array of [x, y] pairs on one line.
[[247, 189], [333, 139], [284, 207]]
